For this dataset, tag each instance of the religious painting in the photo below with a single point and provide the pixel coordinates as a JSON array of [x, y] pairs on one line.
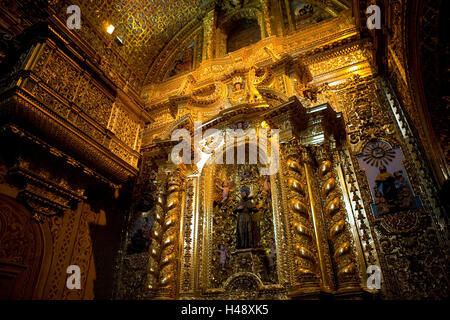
[[243, 231], [389, 184], [184, 63]]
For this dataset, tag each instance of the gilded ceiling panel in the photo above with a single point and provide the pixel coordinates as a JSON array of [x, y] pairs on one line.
[[144, 26]]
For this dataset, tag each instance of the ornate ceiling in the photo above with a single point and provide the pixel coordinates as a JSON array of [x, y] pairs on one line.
[[145, 26]]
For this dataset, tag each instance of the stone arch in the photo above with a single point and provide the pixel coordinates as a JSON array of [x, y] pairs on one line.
[[213, 159]]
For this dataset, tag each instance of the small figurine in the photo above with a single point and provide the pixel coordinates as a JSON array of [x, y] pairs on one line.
[[223, 255], [404, 196]]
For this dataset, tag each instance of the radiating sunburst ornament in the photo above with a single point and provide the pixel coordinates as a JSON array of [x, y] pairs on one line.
[[378, 153]]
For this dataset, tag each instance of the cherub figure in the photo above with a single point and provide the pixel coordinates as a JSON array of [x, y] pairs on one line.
[[226, 187], [223, 256], [381, 203]]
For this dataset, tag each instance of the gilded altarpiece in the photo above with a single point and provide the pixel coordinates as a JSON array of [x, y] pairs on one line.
[[330, 107], [231, 271], [315, 225]]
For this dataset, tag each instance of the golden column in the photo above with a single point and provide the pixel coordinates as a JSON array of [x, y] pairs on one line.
[[323, 250], [266, 18], [335, 216], [306, 272], [164, 252], [209, 31]]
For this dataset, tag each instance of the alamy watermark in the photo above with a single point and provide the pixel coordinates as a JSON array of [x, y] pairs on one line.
[[74, 20], [74, 280], [215, 143], [374, 278], [374, 20]]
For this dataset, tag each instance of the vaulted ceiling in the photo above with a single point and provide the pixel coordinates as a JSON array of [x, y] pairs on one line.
[[145, 26]]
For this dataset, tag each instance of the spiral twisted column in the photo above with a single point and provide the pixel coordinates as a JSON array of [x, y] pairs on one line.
[[317, 214], [164, 250], [335, 215], [300, 224]]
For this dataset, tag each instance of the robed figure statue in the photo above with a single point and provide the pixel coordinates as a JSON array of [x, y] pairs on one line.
[[246, 227]]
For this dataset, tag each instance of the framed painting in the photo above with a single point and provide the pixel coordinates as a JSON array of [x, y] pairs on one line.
[[388, 181]]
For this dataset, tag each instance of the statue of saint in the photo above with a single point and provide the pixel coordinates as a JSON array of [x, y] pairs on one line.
[[247, 226]]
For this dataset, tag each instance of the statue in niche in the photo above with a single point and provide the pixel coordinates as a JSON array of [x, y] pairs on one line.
[[223, 256], [141, 237], [244, 225], [392, 192], [247, 226]]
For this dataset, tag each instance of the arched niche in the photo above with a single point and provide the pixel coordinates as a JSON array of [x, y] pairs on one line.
[[244, 32], [23, 255], [246, 22], [219, 223]]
